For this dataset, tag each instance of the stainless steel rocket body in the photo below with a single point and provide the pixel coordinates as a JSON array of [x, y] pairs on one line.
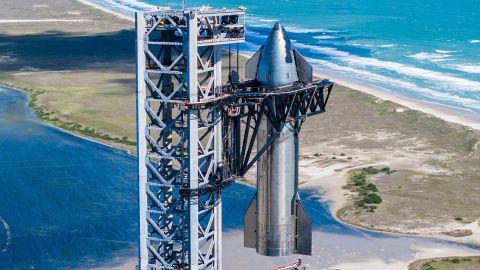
[[276, 192], [275, 215]]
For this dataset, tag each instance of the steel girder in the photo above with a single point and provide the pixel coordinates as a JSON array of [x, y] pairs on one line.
[[279, 106]]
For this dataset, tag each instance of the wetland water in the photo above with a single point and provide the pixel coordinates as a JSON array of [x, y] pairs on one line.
[[68, 203]]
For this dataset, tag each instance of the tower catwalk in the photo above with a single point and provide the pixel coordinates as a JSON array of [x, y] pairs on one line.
[[179, 137]]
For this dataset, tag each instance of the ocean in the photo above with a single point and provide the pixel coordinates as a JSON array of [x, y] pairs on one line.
[[426, 51], [70, 203]]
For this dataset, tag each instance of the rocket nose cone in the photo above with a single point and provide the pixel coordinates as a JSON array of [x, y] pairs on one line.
[[276, 65], [278, 34], [277, 26]]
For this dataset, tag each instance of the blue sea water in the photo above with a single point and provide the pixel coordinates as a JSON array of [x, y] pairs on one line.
[[69, 203], [425, 50]]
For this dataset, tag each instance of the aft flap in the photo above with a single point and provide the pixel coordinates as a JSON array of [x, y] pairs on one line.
[[304, 69], [304, 231], [251, 66], [250, 224]]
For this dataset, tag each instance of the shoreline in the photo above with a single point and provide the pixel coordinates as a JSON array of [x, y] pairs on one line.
[[106, 10], [435, 110], [419, 264], [327, 186], [120, 146], [335, 196]]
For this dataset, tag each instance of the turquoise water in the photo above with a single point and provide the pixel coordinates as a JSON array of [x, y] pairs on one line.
[[424, 50], [68, 203]]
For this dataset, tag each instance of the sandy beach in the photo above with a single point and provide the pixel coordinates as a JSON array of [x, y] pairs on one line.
[[435, 152]]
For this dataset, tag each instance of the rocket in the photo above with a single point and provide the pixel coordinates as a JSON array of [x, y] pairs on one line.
[[275, 223]]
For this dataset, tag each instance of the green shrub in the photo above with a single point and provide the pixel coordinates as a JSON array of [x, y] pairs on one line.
[[428, 266], [371, 187], [360, 203], [370, 170], [372, 198]]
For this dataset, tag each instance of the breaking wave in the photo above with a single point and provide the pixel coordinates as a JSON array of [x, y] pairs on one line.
[[475, 69], [404, 69], [8, 234], [325, 37], [433, 57]]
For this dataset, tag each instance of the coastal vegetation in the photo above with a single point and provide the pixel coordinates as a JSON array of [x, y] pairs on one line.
[[50, 118], [367, 196], [451, 263]]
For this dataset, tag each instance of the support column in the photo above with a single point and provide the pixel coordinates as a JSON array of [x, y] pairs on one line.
[[141, 142], [190, 49], [218, 157]]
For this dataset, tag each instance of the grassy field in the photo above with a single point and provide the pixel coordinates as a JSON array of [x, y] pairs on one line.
[[80, 74]]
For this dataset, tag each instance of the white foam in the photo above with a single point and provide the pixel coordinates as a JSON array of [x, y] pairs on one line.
[[114, 4], [258, 23], [8, 232], [371, 45], [433, 57], [256, 34], [362, 45], [301, 30], [124, 13], [443, 51], [135, 4], [7, 59], [441, 60], [387, 45], [475, 41], [268, 20], [437, 78], [325, 37], [376, 79], [475, 69]]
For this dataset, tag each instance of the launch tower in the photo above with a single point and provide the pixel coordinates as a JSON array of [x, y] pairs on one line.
[[195, 136]]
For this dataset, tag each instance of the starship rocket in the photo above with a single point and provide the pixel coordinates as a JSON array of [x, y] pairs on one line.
[[276, 223]]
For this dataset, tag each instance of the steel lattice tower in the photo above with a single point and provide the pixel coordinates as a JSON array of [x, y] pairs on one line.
[[181, 163]]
